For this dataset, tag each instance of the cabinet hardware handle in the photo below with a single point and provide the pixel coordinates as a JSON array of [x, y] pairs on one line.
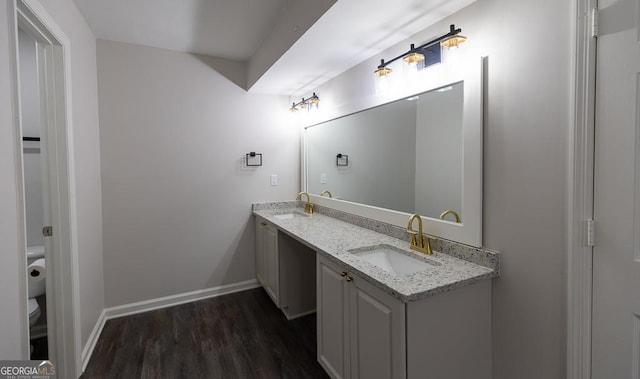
[[263, 223], [344, 273], [349, 279]]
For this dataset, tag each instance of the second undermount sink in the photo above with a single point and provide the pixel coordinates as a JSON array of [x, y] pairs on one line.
[[289, 215], [393, 260]]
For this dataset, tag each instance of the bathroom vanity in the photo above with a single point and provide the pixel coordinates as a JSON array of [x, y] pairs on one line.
[[378, 315]]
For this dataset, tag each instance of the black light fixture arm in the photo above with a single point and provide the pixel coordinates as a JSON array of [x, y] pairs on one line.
[[452, 32]]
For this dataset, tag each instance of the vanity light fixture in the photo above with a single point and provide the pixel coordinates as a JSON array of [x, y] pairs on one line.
[[306, 103], [423, 52]]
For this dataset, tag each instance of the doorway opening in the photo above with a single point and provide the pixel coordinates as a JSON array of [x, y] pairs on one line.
[[50, 248], [34, 174]]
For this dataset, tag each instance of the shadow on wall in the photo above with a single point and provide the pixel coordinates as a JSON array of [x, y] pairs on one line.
[[234, 71], [238, 261]]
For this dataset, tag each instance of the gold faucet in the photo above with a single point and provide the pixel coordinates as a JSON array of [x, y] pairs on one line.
[[308, 207], [418, 241], [448, 212], [327, 193]]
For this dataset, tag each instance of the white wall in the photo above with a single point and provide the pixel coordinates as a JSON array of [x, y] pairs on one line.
[[176, 198], [525, 177]]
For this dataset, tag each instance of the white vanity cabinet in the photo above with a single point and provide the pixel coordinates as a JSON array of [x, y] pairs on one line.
[[432, 324], [267, 258], [361, 329], [365, 333]]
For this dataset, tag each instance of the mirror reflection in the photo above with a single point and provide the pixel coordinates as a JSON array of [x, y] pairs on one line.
[[404, 156]]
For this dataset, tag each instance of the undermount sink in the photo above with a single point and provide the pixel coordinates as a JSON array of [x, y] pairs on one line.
[[289, 215], [393, 260]]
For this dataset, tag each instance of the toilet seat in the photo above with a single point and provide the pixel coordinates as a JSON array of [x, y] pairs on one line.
[[34, 311]]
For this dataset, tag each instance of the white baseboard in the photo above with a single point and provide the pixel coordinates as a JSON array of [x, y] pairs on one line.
[[181, 298], [161, 302], [87, 352], [293, 317]]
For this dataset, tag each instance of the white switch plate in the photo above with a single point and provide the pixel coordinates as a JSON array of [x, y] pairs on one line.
[[323, 178], [274, 180]]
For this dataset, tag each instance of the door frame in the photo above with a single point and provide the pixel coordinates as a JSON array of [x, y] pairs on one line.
[[63, 327], [580, 191]]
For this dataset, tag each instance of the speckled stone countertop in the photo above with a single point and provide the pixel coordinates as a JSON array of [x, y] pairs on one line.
[[334, 238]]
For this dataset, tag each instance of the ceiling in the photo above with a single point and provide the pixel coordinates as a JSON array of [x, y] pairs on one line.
[[350, 32], [320, 43], [230, 29]]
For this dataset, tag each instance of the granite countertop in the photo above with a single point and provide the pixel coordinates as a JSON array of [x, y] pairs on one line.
[[334, 238]]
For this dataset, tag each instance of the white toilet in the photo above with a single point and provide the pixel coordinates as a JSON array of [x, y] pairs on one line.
[[35, 288]]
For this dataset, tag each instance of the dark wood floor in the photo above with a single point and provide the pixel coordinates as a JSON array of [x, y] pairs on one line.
[[242, 335]]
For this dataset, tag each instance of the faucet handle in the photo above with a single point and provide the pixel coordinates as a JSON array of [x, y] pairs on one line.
[[308, 208], [414, 237]]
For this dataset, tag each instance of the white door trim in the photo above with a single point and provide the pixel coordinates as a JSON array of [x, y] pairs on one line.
[[580, 194], [20, 220], [62, 257]]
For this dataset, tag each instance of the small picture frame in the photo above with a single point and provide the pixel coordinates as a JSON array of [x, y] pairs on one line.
[[253, 159]]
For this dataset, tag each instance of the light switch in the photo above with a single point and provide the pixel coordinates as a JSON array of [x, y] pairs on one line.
[[323, 178], [274, 180]]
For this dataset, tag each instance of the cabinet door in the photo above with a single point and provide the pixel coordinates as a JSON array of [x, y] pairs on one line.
[[271, 257], [261, 265], [332, 318], [377, 329]]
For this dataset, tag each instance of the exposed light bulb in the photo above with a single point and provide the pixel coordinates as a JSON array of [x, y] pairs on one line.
[[382, 84]]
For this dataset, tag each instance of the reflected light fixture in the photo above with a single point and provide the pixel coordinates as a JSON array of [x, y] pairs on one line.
[[415, 55], [306, 103]]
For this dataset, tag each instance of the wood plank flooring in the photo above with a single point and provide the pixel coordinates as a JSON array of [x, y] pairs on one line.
[[242, 335]]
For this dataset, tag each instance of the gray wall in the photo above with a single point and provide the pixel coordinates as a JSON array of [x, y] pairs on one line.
[[87, 175], [176, 198], [525, 168]]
